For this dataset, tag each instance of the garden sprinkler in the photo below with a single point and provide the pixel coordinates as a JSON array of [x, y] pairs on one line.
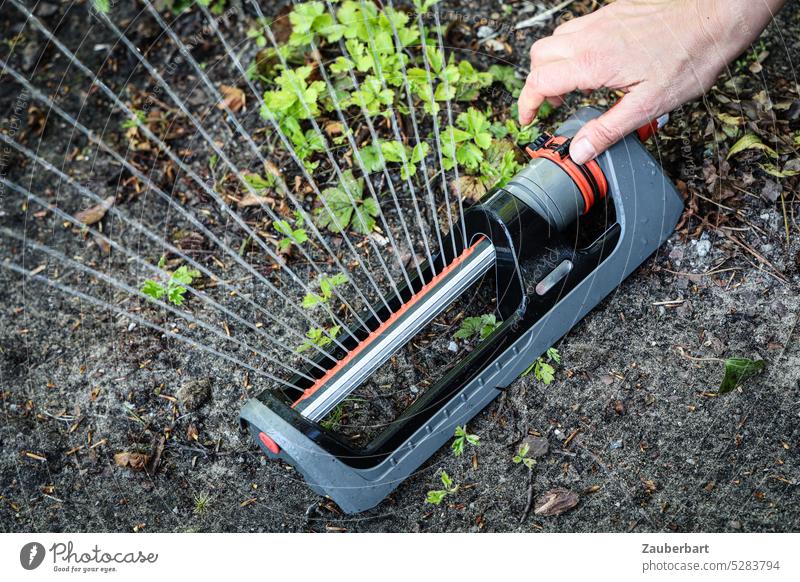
[[549, 275]]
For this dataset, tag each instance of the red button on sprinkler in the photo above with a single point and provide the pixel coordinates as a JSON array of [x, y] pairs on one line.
[[271, 445]]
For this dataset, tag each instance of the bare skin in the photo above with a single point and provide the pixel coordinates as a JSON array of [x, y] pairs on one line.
[[661, 53]]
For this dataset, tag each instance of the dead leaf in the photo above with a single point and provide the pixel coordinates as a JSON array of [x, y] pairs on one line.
[[96, 213], [252, 200], [555, 502], [333, 128], [133, 461], [191, 433], [469, 187], [233, 98]]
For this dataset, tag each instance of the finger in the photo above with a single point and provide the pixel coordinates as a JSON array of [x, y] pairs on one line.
[[600, 134], [550, 80], [528, 103], [550, 49]]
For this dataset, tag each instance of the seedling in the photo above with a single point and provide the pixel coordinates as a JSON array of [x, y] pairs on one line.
[[318, 337], [436, 496], [461, 440], [542, 368], [136, 121], [737, 371], [481, 326], [173, 289], [326, 287], [522, 456], [292, 235], [342, 211], [202, 503]]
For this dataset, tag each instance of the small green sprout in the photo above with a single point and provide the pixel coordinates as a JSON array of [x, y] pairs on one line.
[[481, 326], [318, 337], [136, 121], [326, 287], [436, 496], [174, 289], [291, 235], [737, 371], [348, 206], [522, 456], [461, 440], [542, 368], [202, 503]]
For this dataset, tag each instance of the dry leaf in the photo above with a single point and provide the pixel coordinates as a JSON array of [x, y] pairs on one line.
[[134, 461], [252, 200], [333, 128], [96, 213], [555, 502], [470, 187], [191, 433], [233, 97]]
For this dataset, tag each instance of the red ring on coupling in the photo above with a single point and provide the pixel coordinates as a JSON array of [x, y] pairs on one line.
[[271, 445], [589, 178]]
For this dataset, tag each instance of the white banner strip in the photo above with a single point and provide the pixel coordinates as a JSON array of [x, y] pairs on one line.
[[373, 557]]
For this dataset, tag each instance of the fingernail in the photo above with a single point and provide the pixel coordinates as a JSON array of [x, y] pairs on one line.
[[582, 151]]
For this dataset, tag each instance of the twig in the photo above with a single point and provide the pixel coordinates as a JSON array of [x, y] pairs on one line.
[[534, 20], [529, 503]]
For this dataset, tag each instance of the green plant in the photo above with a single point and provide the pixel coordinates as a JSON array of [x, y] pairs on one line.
[[507, 76], [138, 119], [173, 288], [319, 337], [542, 368], [737, 371], [103, 6], [292, 235], [462, 437], [326, 287], [481, 326], [436, 496], [423, 6], [347, 206], [522, 456], [202, 503]]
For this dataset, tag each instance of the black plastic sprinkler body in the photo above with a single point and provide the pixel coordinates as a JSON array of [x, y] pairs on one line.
[[526, 232]]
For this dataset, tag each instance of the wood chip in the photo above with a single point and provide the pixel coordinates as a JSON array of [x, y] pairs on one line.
[[133, 461], [233, 98], [96, 213], [555, 502]]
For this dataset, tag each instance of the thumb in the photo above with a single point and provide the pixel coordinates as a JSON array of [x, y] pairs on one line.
[[600, 134]]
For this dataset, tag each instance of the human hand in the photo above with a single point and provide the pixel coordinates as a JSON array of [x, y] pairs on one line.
[[661, 53]]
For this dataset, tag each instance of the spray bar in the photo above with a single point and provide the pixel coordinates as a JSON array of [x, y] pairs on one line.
[[396, 331]]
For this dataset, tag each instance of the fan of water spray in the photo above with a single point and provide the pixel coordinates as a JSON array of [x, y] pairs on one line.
[[256, 184]]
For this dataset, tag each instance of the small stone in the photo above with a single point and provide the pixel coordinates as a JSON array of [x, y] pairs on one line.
[[452, 346], [537, 446], [734, 524], [559, 434], [619, 407], [131, 326], [195, 393], [703, 248], [485, 31], [614, 445], [414, 390]]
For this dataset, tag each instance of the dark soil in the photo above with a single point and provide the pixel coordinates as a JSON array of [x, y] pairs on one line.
[[632, 419]]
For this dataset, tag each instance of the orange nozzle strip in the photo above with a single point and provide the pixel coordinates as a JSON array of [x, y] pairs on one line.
[[388, 322]]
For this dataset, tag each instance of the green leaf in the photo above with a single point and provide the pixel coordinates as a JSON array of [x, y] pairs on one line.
[[737, 371], [103, 6], [749, 142], [153, 289], [446, 480], [544, 372], [436, 497], [554, 355]]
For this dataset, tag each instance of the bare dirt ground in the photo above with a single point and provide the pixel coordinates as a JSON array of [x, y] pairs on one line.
[[632, 420]]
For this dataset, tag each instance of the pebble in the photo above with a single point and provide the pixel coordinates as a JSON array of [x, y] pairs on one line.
[[615, 445], [195, 393], [703, 248], [452, 346], [414, 390], [485, 31], [559, 434], [131, 326]]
